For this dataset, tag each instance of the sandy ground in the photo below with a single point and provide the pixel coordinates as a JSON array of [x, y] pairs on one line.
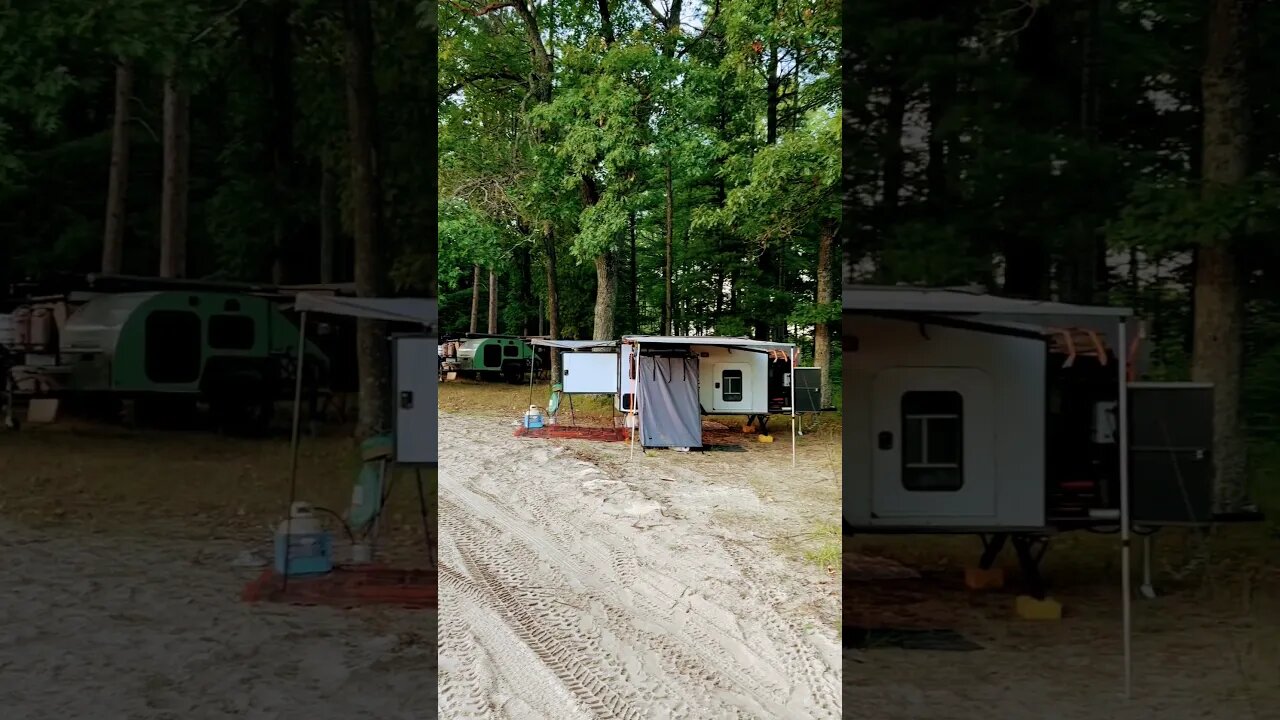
[[578, 585], [93, 626], [119, 593], [1197, 654]]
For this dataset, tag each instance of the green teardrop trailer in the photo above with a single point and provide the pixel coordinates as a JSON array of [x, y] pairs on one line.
[[232, 350], [483, 357]]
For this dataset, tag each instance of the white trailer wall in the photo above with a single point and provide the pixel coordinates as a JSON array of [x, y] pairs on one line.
[[713, 361], [1009, 369]]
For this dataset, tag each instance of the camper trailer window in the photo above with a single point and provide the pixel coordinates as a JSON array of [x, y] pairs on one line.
[[511, 351], [231, 332], [491, 356], [731, 385], [932, 437], [171, 348]]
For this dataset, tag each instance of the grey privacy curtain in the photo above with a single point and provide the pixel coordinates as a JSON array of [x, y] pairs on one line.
[[669, 412]]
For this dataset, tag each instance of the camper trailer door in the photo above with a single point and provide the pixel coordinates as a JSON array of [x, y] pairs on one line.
[[732, 383], [933, 444]]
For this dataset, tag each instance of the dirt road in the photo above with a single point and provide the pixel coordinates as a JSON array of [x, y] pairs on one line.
[[578, 585]]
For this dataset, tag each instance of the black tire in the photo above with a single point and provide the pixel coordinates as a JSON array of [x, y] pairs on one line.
[[241, 403]]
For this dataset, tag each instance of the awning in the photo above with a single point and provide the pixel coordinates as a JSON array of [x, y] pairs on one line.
[[901, 299], [734, 342], [573, 344], [415, 310]]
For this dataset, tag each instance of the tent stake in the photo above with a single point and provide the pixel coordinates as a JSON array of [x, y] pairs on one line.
[[293, 459], [1123, 410]]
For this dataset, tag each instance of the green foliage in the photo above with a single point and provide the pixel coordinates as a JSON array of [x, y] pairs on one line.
[[591, 165], [1176, 214]]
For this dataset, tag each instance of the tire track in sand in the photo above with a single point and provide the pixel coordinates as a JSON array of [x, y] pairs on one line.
[[652, 643]]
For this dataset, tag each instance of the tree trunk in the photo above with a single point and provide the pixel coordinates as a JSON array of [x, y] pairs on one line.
[[1025, 266], [173, 198], [1221, 276], [1081, 280], [893, 160], [280, 140], [526, 288], [941, 95], [553, 299], [328, 222], [667, 318], [768, 257], [606, 23], [475, 299], [606, 297], [372, 351], [118, 181], [635, 276], [493, 301], [826, 296]]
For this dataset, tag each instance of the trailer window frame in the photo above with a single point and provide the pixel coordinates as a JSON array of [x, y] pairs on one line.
[[926, 464], [726, 394]]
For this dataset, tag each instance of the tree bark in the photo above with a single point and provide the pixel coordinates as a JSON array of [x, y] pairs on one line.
[[667, 318], [606, 22], [526, 288], [891, 172], [826, 296], [553, 298], [606, 298], [635, 276], [493, 302], [328, 222], [372, 351], [173, 198], [1082, 280], [1221, 276], [280, 139], [769, 258], [118, 181], [475, 299]]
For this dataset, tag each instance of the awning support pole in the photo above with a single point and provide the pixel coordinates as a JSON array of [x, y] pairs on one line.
[[1123, 409], [793, 406], [634, 370], [293, 459]]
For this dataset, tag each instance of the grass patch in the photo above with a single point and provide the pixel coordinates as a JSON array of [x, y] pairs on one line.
[[825, 547], [184, 484]]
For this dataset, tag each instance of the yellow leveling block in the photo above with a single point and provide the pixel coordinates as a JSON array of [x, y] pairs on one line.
[[765, 438], [1029, 608]]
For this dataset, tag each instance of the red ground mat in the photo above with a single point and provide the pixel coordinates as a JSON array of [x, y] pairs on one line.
[[568, 432], [711, 436], [348, 587]]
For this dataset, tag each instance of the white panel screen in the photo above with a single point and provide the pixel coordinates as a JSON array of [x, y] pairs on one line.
[[590, 372]]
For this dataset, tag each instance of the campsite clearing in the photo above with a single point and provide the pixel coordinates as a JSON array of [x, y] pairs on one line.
[[582, 583], [123, 597], [1207, 647]]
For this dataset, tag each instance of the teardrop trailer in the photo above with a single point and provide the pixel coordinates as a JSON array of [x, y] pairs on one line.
[[232, 350], [1015, 420], [486, 357]]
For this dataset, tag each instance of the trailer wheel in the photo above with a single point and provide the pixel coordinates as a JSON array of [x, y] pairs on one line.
[[241, 403], [513, 374]]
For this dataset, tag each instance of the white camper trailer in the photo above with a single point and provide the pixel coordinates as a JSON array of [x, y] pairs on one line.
[[1015, 419], [684, 378], [966, 412]]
